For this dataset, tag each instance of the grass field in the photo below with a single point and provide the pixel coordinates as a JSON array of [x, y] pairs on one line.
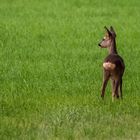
[[51, 70]]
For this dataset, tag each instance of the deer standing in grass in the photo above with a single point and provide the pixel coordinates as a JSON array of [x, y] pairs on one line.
[[113, 65]]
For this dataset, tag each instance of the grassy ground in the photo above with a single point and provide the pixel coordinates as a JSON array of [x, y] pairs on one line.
[[51, 70]]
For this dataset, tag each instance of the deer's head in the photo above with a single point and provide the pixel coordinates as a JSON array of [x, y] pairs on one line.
[[110, 35]]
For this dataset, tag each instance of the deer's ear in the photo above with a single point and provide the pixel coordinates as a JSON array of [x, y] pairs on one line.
[[112, 31], [109, 33]]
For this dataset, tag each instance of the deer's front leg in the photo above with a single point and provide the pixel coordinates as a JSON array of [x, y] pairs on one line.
[[117, 83], [113, 89], [121, 88], [105, 81]]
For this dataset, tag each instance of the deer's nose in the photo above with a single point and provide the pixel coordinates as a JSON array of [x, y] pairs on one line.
[[99, 44]]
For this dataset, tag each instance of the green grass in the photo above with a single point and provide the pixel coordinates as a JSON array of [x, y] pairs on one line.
[[51, 70]]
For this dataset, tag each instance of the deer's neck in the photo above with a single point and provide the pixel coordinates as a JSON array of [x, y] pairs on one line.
[[112, 48]]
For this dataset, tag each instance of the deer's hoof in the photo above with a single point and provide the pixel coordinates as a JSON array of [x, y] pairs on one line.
[[102, 96]]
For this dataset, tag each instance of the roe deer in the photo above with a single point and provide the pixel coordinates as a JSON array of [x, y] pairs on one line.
[[113, 65]]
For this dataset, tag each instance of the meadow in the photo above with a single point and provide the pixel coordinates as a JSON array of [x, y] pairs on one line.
[[51, 70]]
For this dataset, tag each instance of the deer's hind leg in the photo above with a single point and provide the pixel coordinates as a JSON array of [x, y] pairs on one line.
[[106, 76]]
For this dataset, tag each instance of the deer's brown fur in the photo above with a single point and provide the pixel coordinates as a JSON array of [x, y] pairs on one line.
[[113, 65]]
